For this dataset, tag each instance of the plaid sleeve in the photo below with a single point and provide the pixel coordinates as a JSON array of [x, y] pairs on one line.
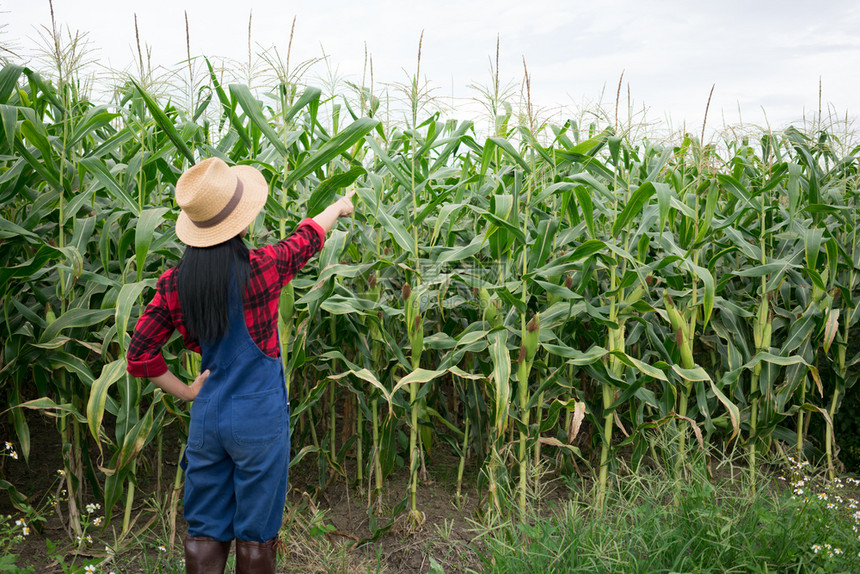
[[152, 331], [291, 254]]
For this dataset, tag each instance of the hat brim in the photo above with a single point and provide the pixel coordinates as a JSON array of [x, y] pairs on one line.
[[255, 191]]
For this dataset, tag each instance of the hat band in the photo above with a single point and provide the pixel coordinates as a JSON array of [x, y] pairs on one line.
[[225, 212]]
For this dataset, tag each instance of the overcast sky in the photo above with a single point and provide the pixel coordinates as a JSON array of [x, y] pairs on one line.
[[758, 54]]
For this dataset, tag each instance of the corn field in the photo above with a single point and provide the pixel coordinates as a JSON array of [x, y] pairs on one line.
[[541, 296]]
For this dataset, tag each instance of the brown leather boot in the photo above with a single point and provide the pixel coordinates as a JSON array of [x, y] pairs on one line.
[[256, 557], [204, 555]]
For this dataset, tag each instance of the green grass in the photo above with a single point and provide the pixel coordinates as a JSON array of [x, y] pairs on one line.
[[712, 528]]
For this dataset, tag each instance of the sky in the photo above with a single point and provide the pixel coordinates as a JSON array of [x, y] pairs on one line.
[[764, 59]]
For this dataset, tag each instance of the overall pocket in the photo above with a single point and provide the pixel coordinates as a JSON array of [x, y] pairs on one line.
[[197, 427], [259, 417]]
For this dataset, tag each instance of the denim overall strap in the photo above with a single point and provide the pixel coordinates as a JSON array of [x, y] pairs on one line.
[[239, 441]]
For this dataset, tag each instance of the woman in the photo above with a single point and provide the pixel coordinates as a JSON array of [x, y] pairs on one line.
[[223, 299]]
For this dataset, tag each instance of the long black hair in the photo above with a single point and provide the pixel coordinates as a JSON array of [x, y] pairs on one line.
[[205, 277]]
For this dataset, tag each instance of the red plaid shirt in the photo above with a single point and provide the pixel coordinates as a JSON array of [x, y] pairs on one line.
[[272, 267]]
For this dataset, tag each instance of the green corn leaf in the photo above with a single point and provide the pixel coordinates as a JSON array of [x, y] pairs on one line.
[[34, 132], [165, 124], [799, 332], [229, 107], [100, 170], [694, 374], [96, 118], [324, 194], [366, 375], [446, 213], [583, 198], [710, 289], [738, 190], [9, 121], [543, 242], [48, 406], [73, 318], [417, 376], [332, 249], [767, 268], [397, 231], [71, 363], [134, 440], [450, 255], [22, 429], [831, 326], [309, 96], [148, 220], [633, 208], [9, 75], [509, 150], [664, 194], [734, 412], [501, 359], [575, 357], [45, 170], [452, 143], [242, 94], [46, 89], [812, 245], [392, 167], [18, 500], [498, 221], [9, 230], [110, 374], [643, 367], [306, 450], [331, 149], [587, 249], [128, 296]]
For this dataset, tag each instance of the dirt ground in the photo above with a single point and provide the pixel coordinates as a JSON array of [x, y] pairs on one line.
[[326, 530]]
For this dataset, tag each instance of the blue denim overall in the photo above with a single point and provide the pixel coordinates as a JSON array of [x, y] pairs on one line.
[[238, 450]]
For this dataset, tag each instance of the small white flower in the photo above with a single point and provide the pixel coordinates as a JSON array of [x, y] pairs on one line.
[[9, 445], [26, 531], [61, 472], [162, 548], [20, 522], [89, 539], [90, 569], [14, 455], [97, 521], [837, 551], [816, 548]]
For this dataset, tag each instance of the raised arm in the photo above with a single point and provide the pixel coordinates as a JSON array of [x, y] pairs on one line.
[[341, 208]]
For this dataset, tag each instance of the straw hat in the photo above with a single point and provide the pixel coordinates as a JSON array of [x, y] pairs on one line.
[[217, 201]]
